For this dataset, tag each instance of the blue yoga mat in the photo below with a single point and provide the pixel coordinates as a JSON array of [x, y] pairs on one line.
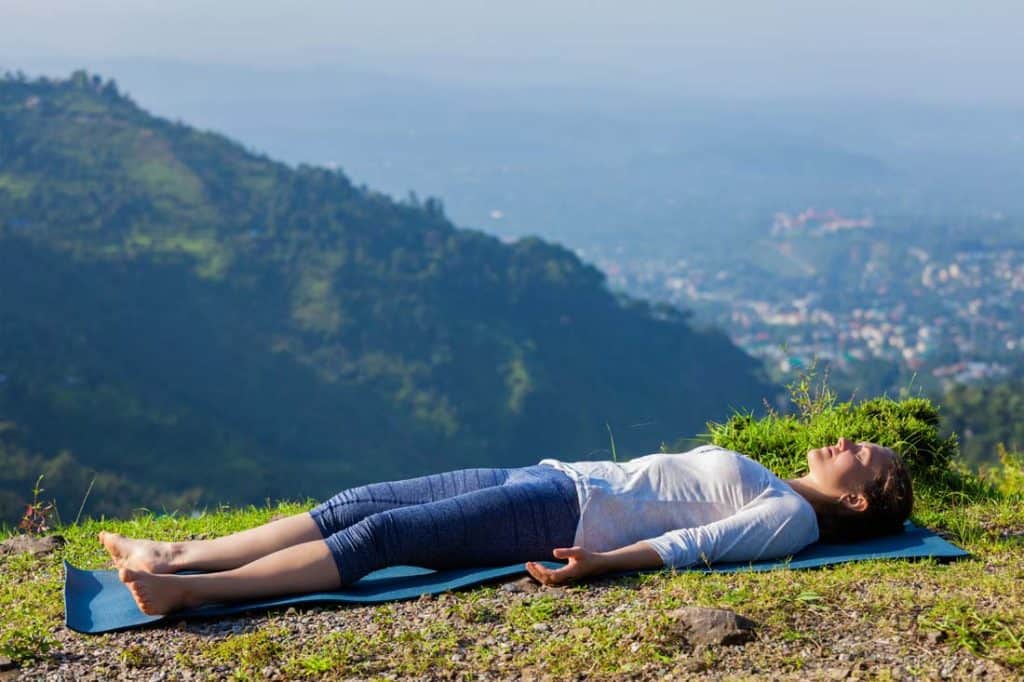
[[96, 601]]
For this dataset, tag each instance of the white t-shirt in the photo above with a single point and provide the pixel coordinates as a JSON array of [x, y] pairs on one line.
[[703, 506]]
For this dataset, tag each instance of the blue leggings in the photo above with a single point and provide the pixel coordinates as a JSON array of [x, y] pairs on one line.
[[468, 517]]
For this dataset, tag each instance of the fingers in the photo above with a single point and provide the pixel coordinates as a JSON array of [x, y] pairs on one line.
[[545, 575], [567, 552]]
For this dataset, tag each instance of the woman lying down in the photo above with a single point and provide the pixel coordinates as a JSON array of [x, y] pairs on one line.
[[673, 510]]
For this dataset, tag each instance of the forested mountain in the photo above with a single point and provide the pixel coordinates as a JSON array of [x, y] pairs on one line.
[[985, 416], [183, 315]]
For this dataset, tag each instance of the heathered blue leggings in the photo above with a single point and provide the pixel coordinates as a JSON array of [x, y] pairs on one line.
[[468, 517]]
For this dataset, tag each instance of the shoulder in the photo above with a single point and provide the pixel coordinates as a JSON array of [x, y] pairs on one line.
[[785, 504]]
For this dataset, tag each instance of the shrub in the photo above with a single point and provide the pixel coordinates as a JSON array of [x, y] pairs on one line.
[[909, 426]]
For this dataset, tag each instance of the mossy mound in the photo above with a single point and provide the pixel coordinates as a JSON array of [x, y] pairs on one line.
[[781, 442]]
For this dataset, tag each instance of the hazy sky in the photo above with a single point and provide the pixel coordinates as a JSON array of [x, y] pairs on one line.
[[967, 52]]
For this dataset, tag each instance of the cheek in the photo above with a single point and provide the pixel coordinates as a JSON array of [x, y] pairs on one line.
[[848, 472]]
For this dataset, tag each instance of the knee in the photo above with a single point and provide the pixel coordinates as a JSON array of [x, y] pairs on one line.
[[343, 510], [372, 533]]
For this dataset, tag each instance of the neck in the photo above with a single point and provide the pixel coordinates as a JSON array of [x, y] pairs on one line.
[[807, 490]]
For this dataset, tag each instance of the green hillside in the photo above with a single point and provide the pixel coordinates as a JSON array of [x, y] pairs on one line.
[[187, 316]]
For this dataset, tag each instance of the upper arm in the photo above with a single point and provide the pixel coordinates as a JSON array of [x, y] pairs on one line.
[[773, 528]]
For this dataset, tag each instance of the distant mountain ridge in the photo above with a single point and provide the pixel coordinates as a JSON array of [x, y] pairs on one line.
[[199, 320]]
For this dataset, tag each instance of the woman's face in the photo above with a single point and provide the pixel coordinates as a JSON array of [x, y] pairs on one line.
[[847, 467]]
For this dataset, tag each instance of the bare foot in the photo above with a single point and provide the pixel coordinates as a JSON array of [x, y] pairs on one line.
[[140, 555], [157, 594]]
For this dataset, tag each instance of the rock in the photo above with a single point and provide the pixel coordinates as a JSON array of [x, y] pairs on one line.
[[527, 584], [7, 664], [694, 665], [31, 544], [934, 638], [835, 673], [540, 627], [702, 626]]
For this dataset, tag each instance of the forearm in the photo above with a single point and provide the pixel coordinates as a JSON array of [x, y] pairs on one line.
[[637, 556]]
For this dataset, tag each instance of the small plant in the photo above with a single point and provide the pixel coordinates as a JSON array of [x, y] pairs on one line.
[[137, 656], [611, 437], [37, 519], [810, 395], [27, 644], [537, 610], [1008, 477]]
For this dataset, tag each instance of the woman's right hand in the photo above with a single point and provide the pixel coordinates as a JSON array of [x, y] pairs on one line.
[[582, 563]]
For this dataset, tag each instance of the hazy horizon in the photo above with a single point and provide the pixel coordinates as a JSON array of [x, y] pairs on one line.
[[952, 53], [584, 121]]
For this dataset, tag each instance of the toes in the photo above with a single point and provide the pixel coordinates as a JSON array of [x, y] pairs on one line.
[[127, 575], [140, 600]]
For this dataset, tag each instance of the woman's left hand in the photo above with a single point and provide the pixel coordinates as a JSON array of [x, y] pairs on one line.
[[582, 563]]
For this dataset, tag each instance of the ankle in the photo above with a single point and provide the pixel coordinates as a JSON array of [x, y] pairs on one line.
[[189, 598], [177, 554]]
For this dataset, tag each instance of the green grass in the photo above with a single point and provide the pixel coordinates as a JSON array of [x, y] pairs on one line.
[[975, 603], [601, 628]]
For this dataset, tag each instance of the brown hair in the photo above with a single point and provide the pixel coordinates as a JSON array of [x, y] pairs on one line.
[[890, 501]]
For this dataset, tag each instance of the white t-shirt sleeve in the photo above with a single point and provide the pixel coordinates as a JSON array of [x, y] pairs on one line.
[[765, 529]]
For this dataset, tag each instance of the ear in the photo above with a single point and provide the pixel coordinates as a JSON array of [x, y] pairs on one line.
[[855, 502]]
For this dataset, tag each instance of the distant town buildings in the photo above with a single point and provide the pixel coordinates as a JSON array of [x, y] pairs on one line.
[[958, 316], [817, 222]]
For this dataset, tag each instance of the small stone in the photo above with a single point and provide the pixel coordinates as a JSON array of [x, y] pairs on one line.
[[934, 638], [31, 544], [701, 626], [581, 632], [540, 627], [835, 673], [527, 584], [695, 665], [425, 597]]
